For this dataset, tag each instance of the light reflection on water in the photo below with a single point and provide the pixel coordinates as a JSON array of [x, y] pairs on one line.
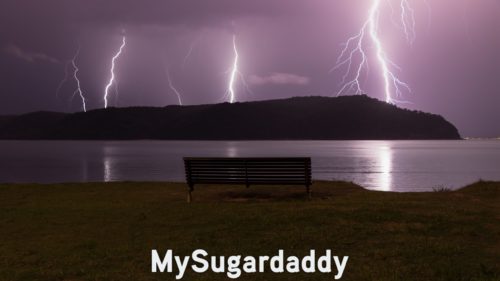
[[385, 165], [379, 165], [108, 172]]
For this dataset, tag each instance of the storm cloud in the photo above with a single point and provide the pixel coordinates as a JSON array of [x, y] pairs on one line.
[[287, 48]]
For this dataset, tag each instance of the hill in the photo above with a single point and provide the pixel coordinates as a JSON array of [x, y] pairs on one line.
[[311, 118]]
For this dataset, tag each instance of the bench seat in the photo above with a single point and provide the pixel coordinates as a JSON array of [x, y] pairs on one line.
[[248, 171]]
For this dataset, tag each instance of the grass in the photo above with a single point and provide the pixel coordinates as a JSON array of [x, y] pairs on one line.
[[100, 231]]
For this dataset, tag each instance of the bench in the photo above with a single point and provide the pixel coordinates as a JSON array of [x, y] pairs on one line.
[[248, 171]]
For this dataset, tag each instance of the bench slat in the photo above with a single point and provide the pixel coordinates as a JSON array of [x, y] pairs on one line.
[[249, 171]]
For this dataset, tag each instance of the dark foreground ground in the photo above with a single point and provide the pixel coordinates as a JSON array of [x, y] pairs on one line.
[[106, 231]]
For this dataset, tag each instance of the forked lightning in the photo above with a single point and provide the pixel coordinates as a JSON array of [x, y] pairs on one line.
[[354, 56]]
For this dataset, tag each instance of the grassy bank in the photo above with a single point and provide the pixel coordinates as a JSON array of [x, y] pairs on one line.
[[106, 231]]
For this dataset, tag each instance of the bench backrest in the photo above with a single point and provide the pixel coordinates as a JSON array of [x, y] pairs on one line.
[[248, 171]]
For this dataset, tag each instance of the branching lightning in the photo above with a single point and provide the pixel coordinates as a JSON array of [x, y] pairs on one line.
[[112, 78], [78, 90], [408, 21], [355, 58], [172, 87], [75, 76]]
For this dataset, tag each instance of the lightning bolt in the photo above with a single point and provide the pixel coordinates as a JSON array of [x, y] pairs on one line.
[[75, 76], [72, 63], [233, 73], [112, 78], [354, 55], [172, 87]]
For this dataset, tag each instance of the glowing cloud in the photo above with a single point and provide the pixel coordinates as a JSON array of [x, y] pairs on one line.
[[279, 78], [30, 57]]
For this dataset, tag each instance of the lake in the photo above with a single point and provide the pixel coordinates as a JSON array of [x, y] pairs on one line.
[[379, 165]]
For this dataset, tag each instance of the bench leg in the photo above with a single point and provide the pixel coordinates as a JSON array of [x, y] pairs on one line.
[[190, 195], [308, 189]]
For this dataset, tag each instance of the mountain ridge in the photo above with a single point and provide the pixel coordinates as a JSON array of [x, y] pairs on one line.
[[298, 118]]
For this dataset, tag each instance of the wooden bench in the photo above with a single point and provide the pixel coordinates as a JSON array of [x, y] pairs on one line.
[[248, 171]]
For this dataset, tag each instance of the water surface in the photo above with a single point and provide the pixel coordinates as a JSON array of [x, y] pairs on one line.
[[380, 165]]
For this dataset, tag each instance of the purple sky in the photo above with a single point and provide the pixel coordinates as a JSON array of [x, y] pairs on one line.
[[287, 48]]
